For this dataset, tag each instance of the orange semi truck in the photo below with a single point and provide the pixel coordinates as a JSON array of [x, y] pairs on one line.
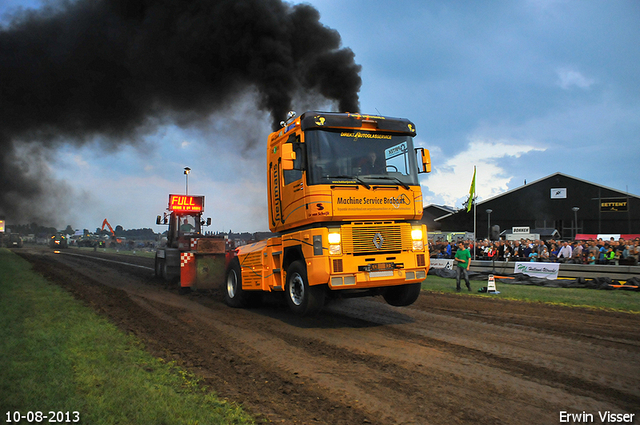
[[345, 204]]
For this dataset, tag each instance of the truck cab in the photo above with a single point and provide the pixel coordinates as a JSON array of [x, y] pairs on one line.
[[344, 167]]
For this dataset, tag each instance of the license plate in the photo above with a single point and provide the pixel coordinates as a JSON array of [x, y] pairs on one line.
[[384, 273], [381, 266]]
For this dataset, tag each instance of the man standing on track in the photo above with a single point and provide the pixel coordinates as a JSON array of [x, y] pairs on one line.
[[463, 261]]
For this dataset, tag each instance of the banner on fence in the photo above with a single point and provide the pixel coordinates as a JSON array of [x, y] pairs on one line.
[[544, 270], [441, 263]]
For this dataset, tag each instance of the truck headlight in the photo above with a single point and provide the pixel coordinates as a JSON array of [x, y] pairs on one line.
[[334, 244], [416, 236]]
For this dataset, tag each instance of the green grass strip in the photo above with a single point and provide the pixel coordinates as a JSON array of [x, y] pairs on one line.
[[144, 252], [58, 355], [614, 300]]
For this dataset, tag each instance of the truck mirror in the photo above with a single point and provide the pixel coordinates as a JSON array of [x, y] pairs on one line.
[[288, 156], [424, 160], [208, 221], [159, 220]]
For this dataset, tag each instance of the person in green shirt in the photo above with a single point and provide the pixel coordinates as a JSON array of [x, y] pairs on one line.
[[610, 256], [463, 261]]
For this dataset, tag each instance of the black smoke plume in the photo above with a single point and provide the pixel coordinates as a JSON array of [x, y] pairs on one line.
[[113, 69]]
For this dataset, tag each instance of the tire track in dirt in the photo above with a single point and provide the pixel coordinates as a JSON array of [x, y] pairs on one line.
[[526, 351]]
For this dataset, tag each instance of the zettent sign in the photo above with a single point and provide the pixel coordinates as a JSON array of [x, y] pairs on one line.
[[614, 205]]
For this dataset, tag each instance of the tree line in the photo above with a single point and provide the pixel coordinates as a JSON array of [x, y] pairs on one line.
[[38, 230]]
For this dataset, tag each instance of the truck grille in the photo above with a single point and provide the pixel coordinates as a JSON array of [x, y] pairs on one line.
[[376, 238]]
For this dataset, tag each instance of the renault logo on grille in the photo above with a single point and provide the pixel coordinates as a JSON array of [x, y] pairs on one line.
[[378, 240]]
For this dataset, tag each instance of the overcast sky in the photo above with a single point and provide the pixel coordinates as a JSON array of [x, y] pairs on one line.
[[520, 89]]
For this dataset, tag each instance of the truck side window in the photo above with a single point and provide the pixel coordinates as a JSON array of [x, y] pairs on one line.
[[291, 176]]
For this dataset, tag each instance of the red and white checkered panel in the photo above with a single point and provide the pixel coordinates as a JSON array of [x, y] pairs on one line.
[[194, 244], [185, 258], [187, 269]]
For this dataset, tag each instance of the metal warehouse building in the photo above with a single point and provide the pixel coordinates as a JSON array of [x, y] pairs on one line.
[[558, 206]]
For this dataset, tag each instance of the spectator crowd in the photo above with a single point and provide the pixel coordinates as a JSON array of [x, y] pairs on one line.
[[620, 252]]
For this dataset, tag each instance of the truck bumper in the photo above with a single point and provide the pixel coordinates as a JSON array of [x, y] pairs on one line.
[[377, 271]]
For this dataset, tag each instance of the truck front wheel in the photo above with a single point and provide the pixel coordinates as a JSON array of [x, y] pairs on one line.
[[403, 295], [303, 299]]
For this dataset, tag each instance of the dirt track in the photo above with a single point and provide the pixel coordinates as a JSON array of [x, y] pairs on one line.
[[446, 359]]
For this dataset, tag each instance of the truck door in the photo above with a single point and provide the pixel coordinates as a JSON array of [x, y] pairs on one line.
[[286, 187], [293, 191]]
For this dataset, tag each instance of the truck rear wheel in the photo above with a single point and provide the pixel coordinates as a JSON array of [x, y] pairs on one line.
[[234, 295], [169, 273], [159, 267], [303, 299], [403, 295]]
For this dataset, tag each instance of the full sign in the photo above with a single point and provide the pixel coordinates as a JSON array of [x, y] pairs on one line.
[[184, 203]]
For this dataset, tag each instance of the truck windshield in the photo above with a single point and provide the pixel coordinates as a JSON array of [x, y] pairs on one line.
[[360, 157]]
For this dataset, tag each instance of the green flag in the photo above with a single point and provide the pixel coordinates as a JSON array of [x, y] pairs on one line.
[[472, 190]]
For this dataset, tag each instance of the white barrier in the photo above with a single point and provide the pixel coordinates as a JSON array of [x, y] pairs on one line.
[[441, 263], [543, 270]]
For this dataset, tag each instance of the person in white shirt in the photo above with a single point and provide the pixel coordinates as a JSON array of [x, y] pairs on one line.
[[565, 252]]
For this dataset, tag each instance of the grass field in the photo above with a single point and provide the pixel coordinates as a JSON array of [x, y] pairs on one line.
[[59, 356], [138, 252], [616, 300]]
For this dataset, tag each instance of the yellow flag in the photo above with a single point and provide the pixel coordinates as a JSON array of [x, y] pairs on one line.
[[472, 190]]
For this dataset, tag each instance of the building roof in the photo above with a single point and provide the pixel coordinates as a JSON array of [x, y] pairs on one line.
[[550, 176], [444, 208], [452, 211]]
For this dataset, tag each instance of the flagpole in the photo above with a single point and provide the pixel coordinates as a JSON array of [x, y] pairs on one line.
[[475, 242]]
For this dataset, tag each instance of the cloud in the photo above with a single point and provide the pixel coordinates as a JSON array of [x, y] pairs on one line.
[[79, 72], [568, 78], [450, 180], [79, 161]]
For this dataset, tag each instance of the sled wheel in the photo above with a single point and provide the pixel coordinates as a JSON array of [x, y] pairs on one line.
[[403, 295]]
